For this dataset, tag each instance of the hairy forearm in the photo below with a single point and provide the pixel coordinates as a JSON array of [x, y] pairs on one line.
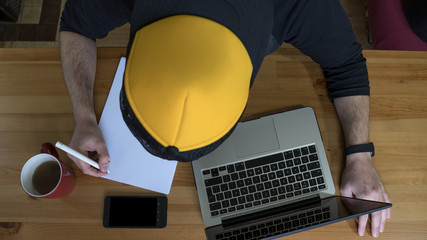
[[78, 55], [353, 113]]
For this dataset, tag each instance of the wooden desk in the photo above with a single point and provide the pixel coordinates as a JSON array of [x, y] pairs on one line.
[[34, 108]]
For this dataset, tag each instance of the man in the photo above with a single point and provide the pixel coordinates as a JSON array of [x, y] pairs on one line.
[[189, 68]]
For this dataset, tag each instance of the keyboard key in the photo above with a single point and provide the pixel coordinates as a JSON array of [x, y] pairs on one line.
[[303, 168], [226, 178], [206, 172], [230, 168], [223, 211], [250, 172], [265, 194], [271, 176], [250, 198], [232, 185], [289, 155], [231, 209], [276, 183], [234, 176], [312, 182], [216, 189], [320, 180], [239, 166], [211, 198], [274, 167], [214, 213], [283, 181], [312, 149], [215, 206], [295, 170], [213, 181], [316, 173], [313, 165], [304, 184], [266, 169], [242, 174], [264, 160], [282, 165], [235, 192], [304, 159], [224, 187], [219, 196], [225, 204], [304, 150], [252, 189], [297, 153], [267, 185], [214, 172], [233, 202], [256, 179], [273, 192], [264, 178], [313, 157], [228, 195], [248, 181], [240, 183]]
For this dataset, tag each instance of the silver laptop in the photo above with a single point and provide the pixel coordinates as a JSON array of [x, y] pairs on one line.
[[268, 166]]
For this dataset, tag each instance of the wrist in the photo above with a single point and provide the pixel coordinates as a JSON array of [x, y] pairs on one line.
[[359, 157], [85, 118]]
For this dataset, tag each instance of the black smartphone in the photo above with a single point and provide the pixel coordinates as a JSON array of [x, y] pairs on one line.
[[135, 211]]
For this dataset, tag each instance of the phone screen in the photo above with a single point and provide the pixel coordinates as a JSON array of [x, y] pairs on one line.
[[123, 211]]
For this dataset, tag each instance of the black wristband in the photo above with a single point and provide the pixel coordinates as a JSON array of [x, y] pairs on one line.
[[368, 147]]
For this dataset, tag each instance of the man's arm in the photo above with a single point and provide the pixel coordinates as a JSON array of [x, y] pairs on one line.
[[78, 55], [360, 177]]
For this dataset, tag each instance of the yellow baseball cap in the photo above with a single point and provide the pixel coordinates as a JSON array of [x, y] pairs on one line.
[[187, 82]]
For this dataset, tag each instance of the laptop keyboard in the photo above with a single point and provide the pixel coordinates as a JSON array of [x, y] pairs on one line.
[[251, 183], [278, 226]]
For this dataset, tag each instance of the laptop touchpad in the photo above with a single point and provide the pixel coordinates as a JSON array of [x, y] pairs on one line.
[[251, 138]]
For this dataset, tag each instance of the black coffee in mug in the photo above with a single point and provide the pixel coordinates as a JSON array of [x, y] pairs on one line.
[[46, 177]]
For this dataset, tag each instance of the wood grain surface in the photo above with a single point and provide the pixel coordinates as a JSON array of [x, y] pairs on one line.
[[35, 108]]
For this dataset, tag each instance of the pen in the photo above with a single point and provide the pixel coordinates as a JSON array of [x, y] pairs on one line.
[[78, 155]]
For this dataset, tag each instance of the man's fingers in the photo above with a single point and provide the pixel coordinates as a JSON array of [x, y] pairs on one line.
[[363, 220], [375, 223], [89, 170]]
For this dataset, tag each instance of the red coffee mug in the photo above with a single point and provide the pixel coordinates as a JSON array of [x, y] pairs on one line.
[[45, 170]]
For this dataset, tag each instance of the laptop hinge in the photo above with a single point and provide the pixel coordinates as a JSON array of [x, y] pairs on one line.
[[273, 211]]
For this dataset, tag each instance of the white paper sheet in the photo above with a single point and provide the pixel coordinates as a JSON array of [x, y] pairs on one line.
[[130, 162]]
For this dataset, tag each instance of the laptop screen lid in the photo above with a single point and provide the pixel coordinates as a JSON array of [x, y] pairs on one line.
[[290, 219]]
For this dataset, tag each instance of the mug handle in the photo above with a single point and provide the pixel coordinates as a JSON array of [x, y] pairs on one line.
[[49, 149]]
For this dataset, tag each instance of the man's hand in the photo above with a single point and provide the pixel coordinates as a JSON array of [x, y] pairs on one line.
[[88, 140], [360, 179]]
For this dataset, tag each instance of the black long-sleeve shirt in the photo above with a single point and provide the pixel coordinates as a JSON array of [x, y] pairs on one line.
[[320, 29]]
